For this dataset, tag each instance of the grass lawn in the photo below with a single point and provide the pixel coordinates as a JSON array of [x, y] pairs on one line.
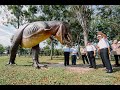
[[57, 74]]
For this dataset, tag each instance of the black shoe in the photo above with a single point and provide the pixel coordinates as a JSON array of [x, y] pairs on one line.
[[116, 65], [103, 65], [91, 67], [109, 71]]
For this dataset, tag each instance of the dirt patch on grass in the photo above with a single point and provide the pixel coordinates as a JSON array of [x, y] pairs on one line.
[[80, 70]]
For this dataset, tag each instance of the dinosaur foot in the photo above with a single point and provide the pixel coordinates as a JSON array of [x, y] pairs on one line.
[[11, 63], [40, 66]]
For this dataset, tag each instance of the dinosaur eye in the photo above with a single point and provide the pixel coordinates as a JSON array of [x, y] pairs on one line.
[[66, 35]]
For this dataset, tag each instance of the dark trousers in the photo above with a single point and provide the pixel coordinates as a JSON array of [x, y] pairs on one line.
[[84, 57], [66, 58], [91, 59], [74, 57], [117, 57], [102, 58], [105, 56]]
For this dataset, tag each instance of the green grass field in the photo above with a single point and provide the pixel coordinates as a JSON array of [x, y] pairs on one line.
[[24, 74]]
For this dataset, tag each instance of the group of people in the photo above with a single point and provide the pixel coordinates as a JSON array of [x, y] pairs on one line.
[[88, 53], [67, 51]]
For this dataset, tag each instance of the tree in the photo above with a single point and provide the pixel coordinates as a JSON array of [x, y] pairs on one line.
[[83, 15], [16, 10], [2, 49], [106, 20]]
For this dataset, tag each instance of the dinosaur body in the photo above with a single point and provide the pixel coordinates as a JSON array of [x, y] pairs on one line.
[[30, 35]]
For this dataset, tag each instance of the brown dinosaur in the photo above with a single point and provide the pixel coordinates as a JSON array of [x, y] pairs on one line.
[[31, 34]]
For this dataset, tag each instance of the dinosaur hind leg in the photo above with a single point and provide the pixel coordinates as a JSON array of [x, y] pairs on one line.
[[35, 57]]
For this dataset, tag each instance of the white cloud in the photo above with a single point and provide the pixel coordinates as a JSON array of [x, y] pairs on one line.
[[5, 40], [6, 33]]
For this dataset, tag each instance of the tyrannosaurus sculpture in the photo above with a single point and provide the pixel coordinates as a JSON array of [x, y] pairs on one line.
[[30, 35]]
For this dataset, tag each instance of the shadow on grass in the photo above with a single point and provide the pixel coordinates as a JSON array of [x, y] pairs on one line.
[[79, 65], [99, 66], [45, 63], [24, 65], [115, 69]]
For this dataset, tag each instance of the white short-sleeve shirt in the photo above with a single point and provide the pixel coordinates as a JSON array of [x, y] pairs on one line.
[[73, 51], [103, 43], [90, 48], [66, 49]]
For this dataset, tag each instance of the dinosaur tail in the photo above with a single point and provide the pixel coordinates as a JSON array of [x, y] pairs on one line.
[[17, 37], [16, 40]]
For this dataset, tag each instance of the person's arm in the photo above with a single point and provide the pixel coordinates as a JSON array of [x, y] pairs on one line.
[[94, 50], [108, 45], [85, 49], [98, 49]]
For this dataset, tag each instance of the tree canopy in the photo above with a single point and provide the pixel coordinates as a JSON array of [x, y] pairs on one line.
[[84, 20]]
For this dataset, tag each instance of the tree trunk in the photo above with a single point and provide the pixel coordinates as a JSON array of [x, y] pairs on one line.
[[52, 46], [18, 23], [85, 33], [79, 47]]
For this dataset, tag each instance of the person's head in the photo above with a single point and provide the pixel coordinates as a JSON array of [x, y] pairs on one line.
[[99, 37], [119, 42], [115, 41], [67, 45], [102, 34], [88, 43], [73, 46]]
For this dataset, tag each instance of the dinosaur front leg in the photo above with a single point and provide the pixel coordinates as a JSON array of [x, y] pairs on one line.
[[35, 57]]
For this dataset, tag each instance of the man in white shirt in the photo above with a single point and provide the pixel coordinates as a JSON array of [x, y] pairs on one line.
[[103, 49], [66, 50], [74, 53], [91, 52]]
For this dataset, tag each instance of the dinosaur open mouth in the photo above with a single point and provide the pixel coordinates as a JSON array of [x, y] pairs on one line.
[[67, 39]]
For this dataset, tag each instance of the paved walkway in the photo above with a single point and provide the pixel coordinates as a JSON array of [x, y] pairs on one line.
[[79, 68]]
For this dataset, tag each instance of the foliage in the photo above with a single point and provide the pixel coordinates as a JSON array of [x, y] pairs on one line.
[[22, 13], [83, 15], [106, 20], [2, 49], [84, 20], [16, 10]]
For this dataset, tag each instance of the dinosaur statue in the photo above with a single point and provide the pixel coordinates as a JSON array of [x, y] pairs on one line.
[[31, 34]]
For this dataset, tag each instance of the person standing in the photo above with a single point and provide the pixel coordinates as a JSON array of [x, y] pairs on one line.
[[74, 53], [66, 50], [91, 52], [104, 50], [84, 54], [105, 38], [114, 52]]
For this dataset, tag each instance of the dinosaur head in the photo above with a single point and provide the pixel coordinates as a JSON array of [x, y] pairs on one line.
[[63, 34]]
